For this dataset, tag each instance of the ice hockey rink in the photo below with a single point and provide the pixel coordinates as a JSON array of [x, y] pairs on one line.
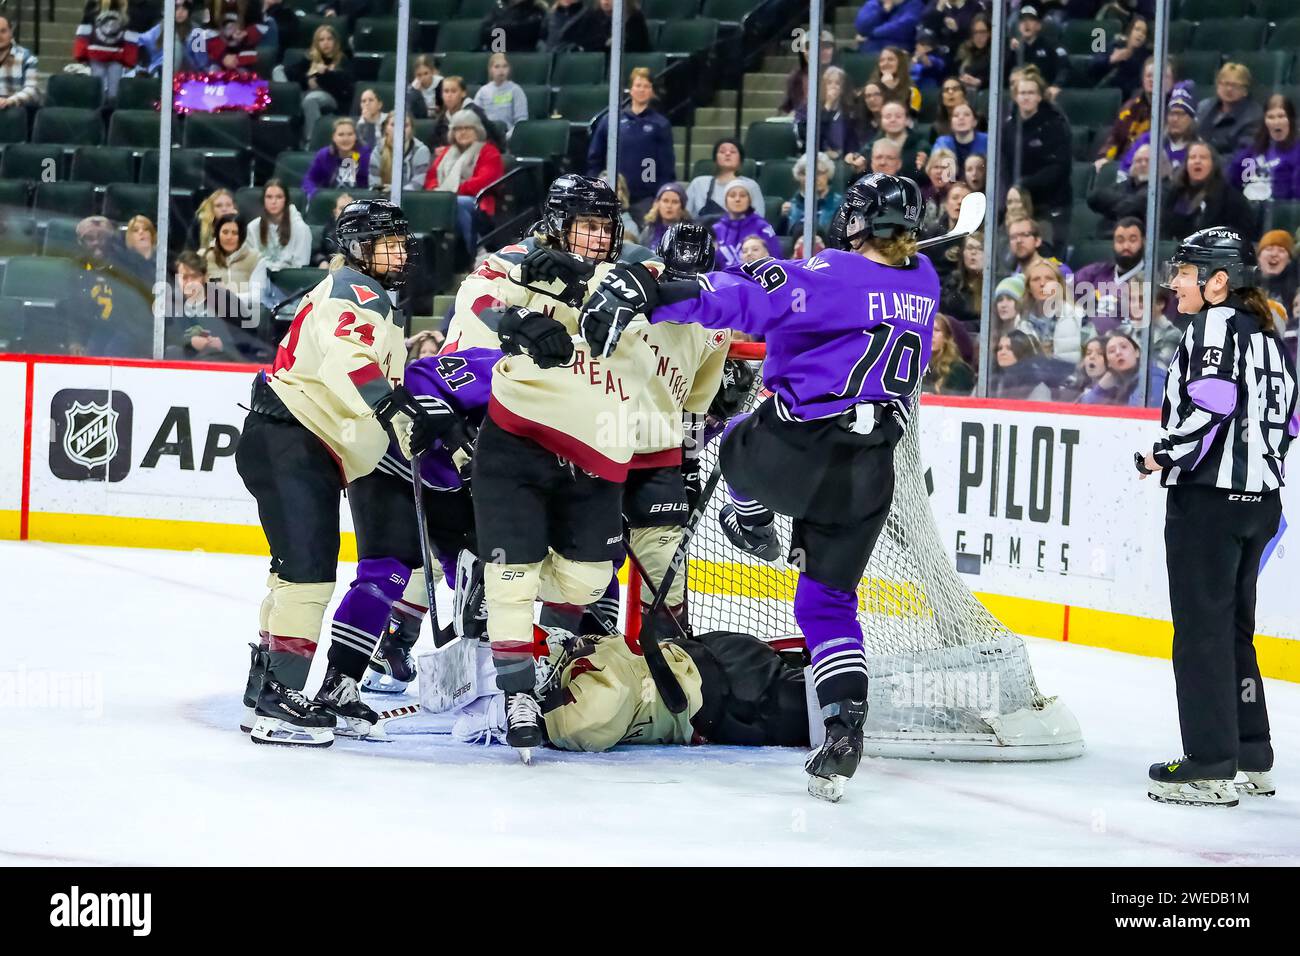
[[121, 698]]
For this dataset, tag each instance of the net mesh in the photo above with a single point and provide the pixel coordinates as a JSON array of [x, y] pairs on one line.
[[941, 665]]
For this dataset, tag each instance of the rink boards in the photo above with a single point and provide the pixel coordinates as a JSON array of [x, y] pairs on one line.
[[1038, 505]]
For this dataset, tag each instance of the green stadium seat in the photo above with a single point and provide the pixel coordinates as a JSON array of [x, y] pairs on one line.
[[477, 9], [654, 28], [687, 36], [1199, 66], [1269, 69], [1275, 10], [36, 277], [1081, 139], [581, 104], [291, 167], [470, 67], [14, 194], [68, 125], [437, 10], [1207, 9], [1286, 35], [1282, 215], [460, 36], [772, 209], [1084, 223], [136, 128], [656, 63], [232, 130], [102, 165], [124, 200], [13, 126], [775, 177], [290, 281], [1081, 175], [189, 169], [1090, 108], [32, 162], [1088, 251], [539, 101], [139, 92], [532, 69], [729, 11], [1079, 36], [286, 100], [764, 141], [540, 140], [429, 211], [424, 129], [670, 9], [321, 205], [859, 67], [579, 68], [1225, 33], [77, 90], [321, 134], [20, 237], [65, 199], [375, 35]]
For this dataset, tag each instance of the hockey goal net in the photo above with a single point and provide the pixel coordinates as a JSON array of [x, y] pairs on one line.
[[948, 679]]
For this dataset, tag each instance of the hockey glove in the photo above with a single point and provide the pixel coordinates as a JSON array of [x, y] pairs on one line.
[[546, 341], [626, 291], [437, 422], [553, 265]]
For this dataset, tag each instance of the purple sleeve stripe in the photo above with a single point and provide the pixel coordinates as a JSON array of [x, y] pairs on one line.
[[1206, 443], [1293, 426], [1218, 396]]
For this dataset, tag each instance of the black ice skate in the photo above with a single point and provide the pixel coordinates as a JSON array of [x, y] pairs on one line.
[[1255, 763], [523, 724], [259, 664], [469, 608], [339, 696], [840, 753], [392, 668], [1193, 783], [286, 717], [760, 540]]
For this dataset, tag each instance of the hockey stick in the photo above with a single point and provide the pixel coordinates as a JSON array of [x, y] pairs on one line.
[[969, 219], [666, 684], [426, 552]]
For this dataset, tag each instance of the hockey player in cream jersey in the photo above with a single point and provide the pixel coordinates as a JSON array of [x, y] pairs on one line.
[[557, 441], [319, 420]]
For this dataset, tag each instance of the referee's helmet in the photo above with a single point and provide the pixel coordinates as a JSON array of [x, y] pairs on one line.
[[1216, 249]]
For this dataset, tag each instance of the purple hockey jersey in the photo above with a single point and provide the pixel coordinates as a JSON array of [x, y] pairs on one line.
[[463, 380], [840, 329]]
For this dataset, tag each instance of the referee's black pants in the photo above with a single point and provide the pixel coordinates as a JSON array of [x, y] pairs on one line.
[[1213, 544]]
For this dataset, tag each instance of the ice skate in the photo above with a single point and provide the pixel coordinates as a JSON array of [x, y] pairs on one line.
[[523, 724], [1256, 783], [469, 609], [286, 717], [259, 664], [840, 754], [760, 540], [1191, 783], [339, 696], [1255, 765], [392, 668]]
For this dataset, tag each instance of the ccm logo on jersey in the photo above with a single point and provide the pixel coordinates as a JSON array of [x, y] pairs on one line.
[[363, 294], [1245, 497]]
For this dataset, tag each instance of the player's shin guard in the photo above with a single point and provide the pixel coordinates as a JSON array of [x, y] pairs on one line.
[[510, 591], [568, 587], [655, 548], [362, 616], [293, 625], [392, 667], [602, 616]]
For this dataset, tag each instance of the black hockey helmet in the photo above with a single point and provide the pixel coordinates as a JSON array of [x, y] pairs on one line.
[[572, 196], [1216, 249], [687, 249], [879, 206], [361, 224], [734, 390], [837, 231]]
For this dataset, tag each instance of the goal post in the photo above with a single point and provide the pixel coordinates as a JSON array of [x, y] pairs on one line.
[[948, 679]]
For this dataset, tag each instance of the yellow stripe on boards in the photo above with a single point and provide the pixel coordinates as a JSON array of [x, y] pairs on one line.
[[10, 525]]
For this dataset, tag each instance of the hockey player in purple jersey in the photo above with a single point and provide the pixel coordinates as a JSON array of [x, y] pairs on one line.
[[848, 337], [449, 387]]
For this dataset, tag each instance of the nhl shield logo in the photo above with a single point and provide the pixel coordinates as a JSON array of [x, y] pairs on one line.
[[90, 437]]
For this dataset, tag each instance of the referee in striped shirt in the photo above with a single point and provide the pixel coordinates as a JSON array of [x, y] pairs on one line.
[[1228, 416]]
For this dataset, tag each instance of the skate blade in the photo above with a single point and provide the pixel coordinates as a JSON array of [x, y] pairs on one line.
[[829, 788], [247, 721], [1217, 793], [525, 755], [270, 730], [1261, 785], [361, 730], [375, 683]]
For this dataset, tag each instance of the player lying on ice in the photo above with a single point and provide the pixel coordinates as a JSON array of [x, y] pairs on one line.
[[848, 336]]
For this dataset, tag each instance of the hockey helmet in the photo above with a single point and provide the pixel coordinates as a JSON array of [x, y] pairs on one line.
[[1216, 249], [878, 206], [687, 249], [572, 197], [365, 221], [734, 390]]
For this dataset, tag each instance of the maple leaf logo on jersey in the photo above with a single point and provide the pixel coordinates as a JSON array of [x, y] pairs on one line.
[[717, 338], [363, 294]]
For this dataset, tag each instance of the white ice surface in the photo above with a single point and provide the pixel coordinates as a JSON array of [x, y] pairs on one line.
[[162, 775]]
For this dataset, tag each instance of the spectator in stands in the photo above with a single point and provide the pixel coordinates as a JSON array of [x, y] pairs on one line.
[[1165, 336], [1102, 287], [974, 56], [1047, 306], [370, 124], [1134, 117], [325, 76], [964, 140], [343, 164], [962, 291], [1024, 240], [1229, 120], [503, 100], [329, 238], [928, 64], [18, 71], [204, 317], [753, 249], [827, 201], [1198, 197], [818, 246], [416, 159], [235, 30], [940, 173], [946, 374], [110, 307], [645, 144], [630, 226], [281, 27], [1031, 48], [1036, 143], [1119, 384], [669, 207], [866, 121], [562, 31], [105, 43], [882, 23], [1022, 371], [893, 74], [1007, 296], [454, 94], [886, 157], [950, 21], [1269, 168], [836, 129], [598, 28], [1277, 268], [1123, 66], [151, 45], [427, 85], [424, 344], [465, 167], [705, 194], [513, 25], [1115, 194], [796, 81], [1180, 130], [741, 221], [141, 239], [975, 172], [951, 95], [220, 202], [1020, 206], [280, 237], [230, 261], [1087, 373], [940, 217], [896, 127]]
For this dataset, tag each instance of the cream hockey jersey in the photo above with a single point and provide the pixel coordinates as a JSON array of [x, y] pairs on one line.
[[689, 361], [340, 357]]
